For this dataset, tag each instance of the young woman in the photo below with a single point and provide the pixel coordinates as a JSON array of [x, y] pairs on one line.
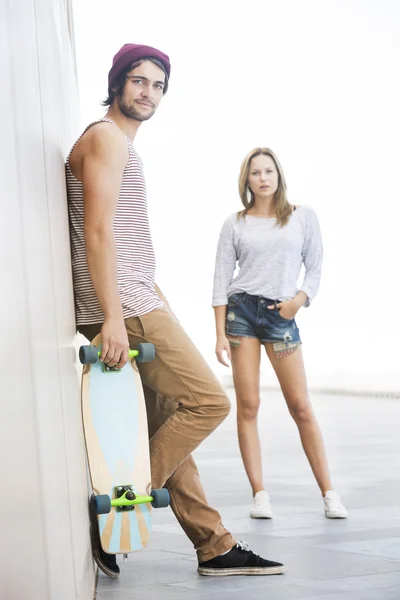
[[270, 239]]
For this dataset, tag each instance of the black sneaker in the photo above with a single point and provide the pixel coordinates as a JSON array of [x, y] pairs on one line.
[[239, 561], [106, 562]]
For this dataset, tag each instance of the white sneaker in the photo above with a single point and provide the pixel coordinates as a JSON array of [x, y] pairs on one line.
[[261, 506], [334, 508]]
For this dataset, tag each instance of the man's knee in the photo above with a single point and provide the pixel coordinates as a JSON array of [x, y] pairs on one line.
[[226, 406], [221, 407]]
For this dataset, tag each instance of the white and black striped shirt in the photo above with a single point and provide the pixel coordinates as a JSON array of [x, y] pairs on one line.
[[135, 254]]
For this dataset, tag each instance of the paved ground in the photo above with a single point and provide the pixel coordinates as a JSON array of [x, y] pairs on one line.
[[357, 559]]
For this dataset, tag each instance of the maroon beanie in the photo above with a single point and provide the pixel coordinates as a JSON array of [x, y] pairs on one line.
[[131, 53]]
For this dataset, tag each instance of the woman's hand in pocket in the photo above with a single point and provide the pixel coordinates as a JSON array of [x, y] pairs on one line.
[[287, 309]]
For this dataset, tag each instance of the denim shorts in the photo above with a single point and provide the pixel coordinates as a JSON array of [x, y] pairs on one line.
[[248, 316]]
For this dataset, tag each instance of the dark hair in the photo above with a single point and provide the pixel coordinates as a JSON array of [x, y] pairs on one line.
[[120, 81]]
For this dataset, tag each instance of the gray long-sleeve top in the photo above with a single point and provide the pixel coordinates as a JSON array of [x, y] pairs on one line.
[[269, 257]]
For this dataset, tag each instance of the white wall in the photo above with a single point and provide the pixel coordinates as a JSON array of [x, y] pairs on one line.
[[316, 81], [45, 549]]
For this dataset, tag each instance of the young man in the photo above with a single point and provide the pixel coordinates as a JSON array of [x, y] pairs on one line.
[[113, 269]]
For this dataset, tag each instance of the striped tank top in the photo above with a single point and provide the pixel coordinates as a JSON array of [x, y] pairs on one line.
[[135, 254]]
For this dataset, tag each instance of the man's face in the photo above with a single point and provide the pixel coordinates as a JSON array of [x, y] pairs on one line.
[[143, 91]]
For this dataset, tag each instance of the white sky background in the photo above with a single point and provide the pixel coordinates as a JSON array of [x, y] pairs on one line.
[[318, 82]]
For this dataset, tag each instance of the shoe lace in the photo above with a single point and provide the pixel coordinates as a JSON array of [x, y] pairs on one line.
[[243, 546], [333, 500], [261, 500]]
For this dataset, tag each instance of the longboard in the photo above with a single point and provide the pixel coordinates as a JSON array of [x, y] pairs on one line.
[[117, 445]]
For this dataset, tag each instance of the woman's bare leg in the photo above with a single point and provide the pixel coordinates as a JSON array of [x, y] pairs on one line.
[[246, 376], [292, 378]]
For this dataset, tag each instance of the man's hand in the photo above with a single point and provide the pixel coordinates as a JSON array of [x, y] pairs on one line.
[[115, 343], [221, 347]]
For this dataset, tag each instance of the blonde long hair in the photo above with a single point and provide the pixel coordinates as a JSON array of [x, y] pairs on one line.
[[282, 207]]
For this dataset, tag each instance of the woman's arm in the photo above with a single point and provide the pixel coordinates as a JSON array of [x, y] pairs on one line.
[[222, 341], [225, 264], [312, 257]]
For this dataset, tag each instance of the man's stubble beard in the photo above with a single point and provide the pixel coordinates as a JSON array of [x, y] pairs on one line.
[[131, 113]]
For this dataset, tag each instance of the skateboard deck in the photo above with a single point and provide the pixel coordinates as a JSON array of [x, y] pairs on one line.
[[117, 445]]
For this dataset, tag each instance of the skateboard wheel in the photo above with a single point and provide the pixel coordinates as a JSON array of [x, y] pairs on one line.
[[147, 353], [102, 504], [160, 498], [88, 355]]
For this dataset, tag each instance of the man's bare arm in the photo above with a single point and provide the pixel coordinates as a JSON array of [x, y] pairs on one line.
[[104, 161]]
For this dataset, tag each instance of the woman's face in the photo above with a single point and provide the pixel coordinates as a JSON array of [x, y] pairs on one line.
[[263, 177]]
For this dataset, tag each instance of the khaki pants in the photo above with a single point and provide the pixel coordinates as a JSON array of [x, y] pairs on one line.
[[185, 403]]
